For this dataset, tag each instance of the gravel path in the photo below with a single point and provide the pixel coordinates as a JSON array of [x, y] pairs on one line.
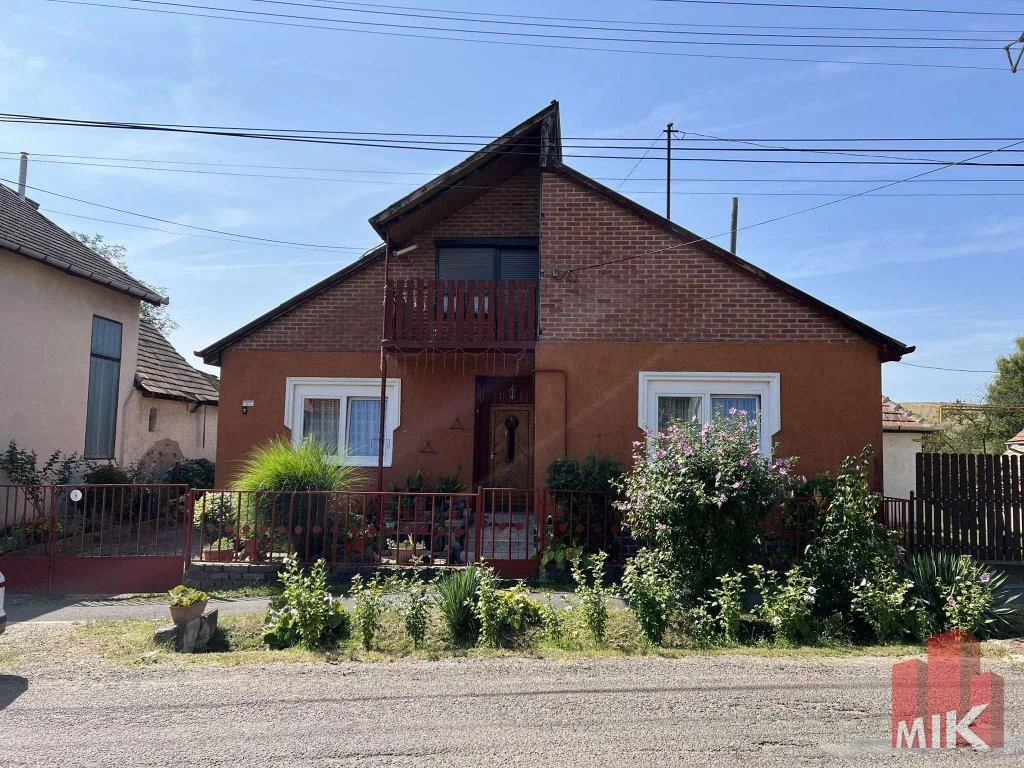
[[701, 711]]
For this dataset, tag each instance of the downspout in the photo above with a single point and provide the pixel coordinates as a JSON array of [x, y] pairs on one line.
[[383, 363]]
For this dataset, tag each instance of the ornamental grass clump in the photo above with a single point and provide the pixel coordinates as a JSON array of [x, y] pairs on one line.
[[698, 494]]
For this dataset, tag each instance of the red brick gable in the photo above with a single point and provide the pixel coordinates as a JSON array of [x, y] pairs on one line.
[[684, 294], [347, 316]]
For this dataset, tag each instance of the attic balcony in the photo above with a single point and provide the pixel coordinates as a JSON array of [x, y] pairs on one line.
[[468, 315]]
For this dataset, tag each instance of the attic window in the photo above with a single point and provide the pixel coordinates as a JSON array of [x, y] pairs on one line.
[[152, 419], [515, 258]]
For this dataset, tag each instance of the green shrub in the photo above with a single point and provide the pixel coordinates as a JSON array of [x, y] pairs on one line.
[[935, 575], [592, 474], [22, 466], [786, 605], [182, 596], [591, 598], [702, 624], [648, 587], [700, 495], [195, 473], [727, 600], [415, 609], [885, 602], [369, 597], [305, 613], [847, 544], [456, 600], [110, 473]]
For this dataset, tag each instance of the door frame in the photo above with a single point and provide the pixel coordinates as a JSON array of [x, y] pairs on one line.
[[496, 390]]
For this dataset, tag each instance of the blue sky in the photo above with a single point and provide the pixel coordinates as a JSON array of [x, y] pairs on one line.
[[941, 272]]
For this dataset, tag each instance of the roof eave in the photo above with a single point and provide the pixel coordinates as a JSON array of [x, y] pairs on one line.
[[66, 266]]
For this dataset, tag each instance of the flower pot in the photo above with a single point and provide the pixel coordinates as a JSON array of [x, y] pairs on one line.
[[181, 614], [253, 550], [218, 555], [403, 556]]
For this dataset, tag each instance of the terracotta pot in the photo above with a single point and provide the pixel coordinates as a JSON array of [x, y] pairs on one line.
[[253, 550], [218, 555], [184, 613], [403, 556]]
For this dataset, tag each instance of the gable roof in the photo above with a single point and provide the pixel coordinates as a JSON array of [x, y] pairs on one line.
[[25, 231], [1018, 438], [162, 372], [896, 418], [536, 141], [889, 348]]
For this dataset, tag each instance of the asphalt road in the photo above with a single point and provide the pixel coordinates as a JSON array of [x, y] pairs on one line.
[[700, 711]]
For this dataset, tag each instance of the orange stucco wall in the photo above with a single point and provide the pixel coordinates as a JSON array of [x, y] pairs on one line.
[[434, 394], [829, 395]]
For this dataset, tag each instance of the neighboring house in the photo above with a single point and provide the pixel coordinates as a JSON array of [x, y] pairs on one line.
[[1015, 445], [172, 412], [533, 313], [902, 432], [68, 346]]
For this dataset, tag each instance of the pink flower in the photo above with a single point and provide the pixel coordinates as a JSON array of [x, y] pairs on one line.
[[722, 499], [737, 485], [744, 462], [733, 411], [661, 527]]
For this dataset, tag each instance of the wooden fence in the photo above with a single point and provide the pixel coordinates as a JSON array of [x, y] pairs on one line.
[[964, 503]]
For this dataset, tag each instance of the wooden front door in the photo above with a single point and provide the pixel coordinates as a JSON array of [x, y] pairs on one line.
[[511, 446]]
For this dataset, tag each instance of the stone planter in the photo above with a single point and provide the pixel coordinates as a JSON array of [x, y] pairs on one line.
[[182, 614]]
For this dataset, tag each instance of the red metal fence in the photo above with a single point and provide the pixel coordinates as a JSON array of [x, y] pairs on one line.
[[494, 314], [93, 538], [505, 527]]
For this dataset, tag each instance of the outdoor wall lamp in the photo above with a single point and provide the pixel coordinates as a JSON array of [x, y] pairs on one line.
[[246, 405]]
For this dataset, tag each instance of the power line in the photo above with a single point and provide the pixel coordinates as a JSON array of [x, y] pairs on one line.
[[773, 35], [519, 43], [793, 213], [940, 368], [180, 224], [835, 7]]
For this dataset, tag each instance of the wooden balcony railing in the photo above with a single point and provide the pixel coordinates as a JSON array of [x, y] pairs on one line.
[[461, 314]]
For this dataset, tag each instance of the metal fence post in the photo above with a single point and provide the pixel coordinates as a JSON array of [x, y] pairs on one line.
[[190, 515]]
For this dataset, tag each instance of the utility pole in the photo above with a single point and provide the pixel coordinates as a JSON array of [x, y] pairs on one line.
[[735, 223], [668, 171]]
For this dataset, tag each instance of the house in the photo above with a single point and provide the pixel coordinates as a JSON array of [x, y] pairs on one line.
[[532, 313], [172, 412], [902, 433], [1015, 445], [81, 372]]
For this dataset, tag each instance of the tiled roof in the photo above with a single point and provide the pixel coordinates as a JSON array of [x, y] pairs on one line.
[[1018, 438], [162, 372], [896, 418], [24, 230]]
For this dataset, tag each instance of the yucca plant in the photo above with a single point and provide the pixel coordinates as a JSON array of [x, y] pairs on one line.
[[456, 600], [289, 484], [935, 573]]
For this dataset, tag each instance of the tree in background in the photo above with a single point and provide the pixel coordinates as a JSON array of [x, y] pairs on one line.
[[117, 255], [1005, 394]]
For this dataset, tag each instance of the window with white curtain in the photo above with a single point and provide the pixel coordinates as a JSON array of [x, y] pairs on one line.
[[670, 396], [344, 415]]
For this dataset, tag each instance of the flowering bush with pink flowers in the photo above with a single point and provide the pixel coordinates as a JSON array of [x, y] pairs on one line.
[[698, 494]]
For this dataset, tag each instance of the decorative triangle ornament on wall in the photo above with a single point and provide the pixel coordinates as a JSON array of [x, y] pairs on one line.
[[457, 426], [428, 448]]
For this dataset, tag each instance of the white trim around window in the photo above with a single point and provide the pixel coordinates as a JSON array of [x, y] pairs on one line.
[[706, 386], [343, 397]]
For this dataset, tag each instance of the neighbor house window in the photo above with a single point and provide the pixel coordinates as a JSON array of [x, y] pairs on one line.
[[671, 396], [510, 258], [343, 415], [104, 377]]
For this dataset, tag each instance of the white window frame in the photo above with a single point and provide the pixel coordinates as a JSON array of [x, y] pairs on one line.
[[707, 384], [299, 388]]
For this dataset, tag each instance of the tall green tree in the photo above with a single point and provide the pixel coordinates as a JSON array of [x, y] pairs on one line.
[[117, 255], [1005, 394]]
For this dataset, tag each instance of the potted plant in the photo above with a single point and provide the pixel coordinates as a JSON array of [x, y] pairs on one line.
[[186, 603], [403, 549], [220, 551]]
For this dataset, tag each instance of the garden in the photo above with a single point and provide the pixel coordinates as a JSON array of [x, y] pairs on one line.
[[695, 502]]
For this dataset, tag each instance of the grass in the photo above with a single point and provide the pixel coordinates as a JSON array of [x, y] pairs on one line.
[[240, 642]]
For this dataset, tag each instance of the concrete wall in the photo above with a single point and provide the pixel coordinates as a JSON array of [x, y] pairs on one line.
[[45, 337], [901, 449], [194, 432]]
